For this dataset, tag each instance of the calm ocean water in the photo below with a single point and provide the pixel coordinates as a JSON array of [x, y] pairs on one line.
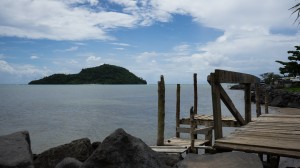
[[58, 114]]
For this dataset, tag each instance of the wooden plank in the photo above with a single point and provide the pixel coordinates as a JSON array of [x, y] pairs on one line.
[[270, 131], [255, 149], [234, 77], [183, 130], [203, 130], [169, 149], [216, 101], [280, 115], [184, 142], [262, 142], [247, 102], [178, 109], [195, 111], [268, 135]]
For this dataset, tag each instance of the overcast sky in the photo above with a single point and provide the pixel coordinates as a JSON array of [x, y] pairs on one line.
[[174, 38]]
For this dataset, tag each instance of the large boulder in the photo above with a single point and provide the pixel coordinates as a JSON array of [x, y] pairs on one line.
[[79, 149], [121, 150], [69, 163], [15, 150]]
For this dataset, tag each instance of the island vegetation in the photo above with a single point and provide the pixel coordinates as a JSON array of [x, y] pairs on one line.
[[104, 74]]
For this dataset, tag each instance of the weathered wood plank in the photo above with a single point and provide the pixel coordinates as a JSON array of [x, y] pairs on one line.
[[262, 142], [169, 149], [234, 77], [255, 149], [184, 142], [288, 132], [268, 135]]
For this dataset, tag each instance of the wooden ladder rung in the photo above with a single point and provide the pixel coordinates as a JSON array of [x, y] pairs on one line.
[[203, 130], [183, 130]]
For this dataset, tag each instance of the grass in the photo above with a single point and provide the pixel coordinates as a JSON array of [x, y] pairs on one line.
[[293, 89]]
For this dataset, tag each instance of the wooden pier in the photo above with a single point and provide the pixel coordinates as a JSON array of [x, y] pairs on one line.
[[269, 134]]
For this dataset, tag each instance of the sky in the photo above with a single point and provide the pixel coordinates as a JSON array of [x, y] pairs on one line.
[[174, 38]]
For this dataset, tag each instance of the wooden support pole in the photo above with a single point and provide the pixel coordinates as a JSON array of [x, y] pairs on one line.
[[257, 98], [161, 112], [177, 110], [195, 94], [248, 102], [216, 102], [266, 102], [193, 127], [195, 98]]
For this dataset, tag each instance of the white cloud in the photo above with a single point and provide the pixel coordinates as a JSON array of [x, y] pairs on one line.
[[74, 48], [33, 57], [32, 19], [20, 73], [121, 44]]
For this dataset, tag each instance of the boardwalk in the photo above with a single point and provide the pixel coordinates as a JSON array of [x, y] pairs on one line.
[[272, 134]]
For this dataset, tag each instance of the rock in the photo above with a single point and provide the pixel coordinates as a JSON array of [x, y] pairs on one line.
[[69, 163], [79, 149], [15, 150], [170, 159], [95, 145], [121, 150], [224, 160]]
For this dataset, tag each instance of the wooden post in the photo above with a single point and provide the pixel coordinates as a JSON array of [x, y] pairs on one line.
[[216, 102], [257, 98], [248, 102], [266, 102], [195, 111], [193, 127], [161, 112], [195, 94], [177, 110]]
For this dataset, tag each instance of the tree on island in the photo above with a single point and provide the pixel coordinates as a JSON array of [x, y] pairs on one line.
[[269, 77], [291, 68]]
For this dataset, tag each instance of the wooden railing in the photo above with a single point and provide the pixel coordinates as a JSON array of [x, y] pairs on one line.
[[218, 93]]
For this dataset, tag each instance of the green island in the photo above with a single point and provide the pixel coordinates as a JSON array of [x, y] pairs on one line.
[[104, 74]]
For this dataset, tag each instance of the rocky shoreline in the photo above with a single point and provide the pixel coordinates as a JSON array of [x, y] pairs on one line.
[[277, 97], [118, 150]]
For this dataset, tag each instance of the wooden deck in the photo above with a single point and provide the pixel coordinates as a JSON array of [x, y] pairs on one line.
[[272, 134], [207, 120]]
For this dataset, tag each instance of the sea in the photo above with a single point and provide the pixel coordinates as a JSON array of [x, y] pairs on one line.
[[58, 114]]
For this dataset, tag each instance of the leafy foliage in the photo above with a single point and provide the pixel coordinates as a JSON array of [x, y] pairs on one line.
[[269, 77], [296, 9], [104, 74], [291, 68]]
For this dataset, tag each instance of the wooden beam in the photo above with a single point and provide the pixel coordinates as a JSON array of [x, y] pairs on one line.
[[161, 112], [234, 77], [257, 98], [178, 109], [216, 101], [195, 111], [248, 102], [229, 104]]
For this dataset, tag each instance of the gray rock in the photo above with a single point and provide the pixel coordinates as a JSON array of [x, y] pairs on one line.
[[15, 150], [121, 150], [224, 160], [69, 163], [170, 159], [79, 149]]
